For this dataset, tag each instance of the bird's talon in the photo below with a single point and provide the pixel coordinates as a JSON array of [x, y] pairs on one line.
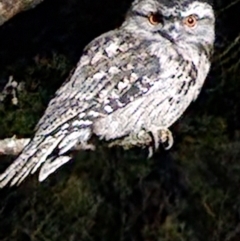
[[150, 152], [166, 139]]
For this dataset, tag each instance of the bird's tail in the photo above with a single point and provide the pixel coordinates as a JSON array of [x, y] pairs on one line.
[[40, 150], [51, 165]]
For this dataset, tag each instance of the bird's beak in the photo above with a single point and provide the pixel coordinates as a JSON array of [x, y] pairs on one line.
[[167, 36]]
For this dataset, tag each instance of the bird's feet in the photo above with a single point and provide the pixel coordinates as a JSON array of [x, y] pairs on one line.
[[140, 139], [163, 136], [144, 138]]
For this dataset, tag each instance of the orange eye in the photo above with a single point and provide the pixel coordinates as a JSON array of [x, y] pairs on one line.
[[190, 21], [155, 18]]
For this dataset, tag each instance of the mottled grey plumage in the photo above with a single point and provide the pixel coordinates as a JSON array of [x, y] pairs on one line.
[[139, 78]]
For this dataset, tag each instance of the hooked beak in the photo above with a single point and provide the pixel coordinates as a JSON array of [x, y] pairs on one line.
[[167, 36]]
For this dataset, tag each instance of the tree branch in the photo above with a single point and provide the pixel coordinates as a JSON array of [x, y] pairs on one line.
[[12, 146], [9, 8], [232, 4]]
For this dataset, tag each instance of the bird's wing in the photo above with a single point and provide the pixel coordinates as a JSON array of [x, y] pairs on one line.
[[108, 75]]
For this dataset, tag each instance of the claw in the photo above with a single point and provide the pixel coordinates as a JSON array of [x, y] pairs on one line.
[[150, 152], [162, 136], [166, 137], [156, 139]]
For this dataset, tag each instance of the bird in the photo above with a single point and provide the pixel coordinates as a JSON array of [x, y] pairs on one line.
[[130, 84]]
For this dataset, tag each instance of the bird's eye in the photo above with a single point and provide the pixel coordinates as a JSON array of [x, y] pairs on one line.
[[155, 18], [190, 21]]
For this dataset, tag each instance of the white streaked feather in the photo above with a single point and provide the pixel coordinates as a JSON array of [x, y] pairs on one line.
[[51, 165], [69, 141], [44, 150]]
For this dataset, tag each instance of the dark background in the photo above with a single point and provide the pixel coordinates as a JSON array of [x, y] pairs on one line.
[[190, 193]]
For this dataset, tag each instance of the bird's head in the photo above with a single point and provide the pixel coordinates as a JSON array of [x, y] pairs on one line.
[[177, 21]]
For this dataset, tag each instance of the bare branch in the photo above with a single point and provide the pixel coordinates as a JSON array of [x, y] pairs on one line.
[[233, 234], [9, 8], [235, 42], [227, 7], [12, 146]]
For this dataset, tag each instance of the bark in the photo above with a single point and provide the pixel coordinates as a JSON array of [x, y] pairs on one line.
[[9, 8], [12, 146]]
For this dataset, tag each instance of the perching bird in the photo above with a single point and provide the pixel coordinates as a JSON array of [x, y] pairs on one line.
[[131, 82]]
